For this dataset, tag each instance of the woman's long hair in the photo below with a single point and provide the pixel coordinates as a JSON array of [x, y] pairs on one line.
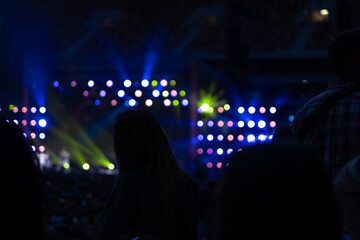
[[141, 143]]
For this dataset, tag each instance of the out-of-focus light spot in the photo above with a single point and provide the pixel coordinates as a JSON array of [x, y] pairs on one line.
[[33, 110], [219, 164], [230, 138], [229, 151], [205, 107], [127, 83], [210, 123], [111, 166], [220, 123], [209, 151], [11, 107], [324, 12], [167, 102], [42, 135], [270, 137], [86, 166], [200, 123], [154, 83], [172, 82], [200, 137], [251, 124], [109, 83], [173, 93], [272, 110], [165, 93], [73, 83], [132, 102], [24, 122], [226, 107], [145, 83], [182, 93], [97, 102], [210, 137], [241, 110], [56, 84], [15, 109], [251, 138], [251, 110], [200, 151], [113, 102], [156, 93], [199, 110], [32, 122], [16, 122], [272, 124], [241, 138], [262, 137], [291, 118], [163, 83], [24, 109], [121, 93], [102, 93], [230, 123], [185, 102], [25, 135], [239, 150], [86, 93], [42, 123], [261, 124], [138, 93], [176, 103], [241, 124], [220, 109], [220, 137], [262, 110], [66, 165], [209, 164], [148, 102], [91, 83], [33, 148], [42, 149], [219, 151], [42, 110]]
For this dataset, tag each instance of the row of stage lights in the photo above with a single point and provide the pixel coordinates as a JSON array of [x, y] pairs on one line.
[[204, 108], [240, 124]]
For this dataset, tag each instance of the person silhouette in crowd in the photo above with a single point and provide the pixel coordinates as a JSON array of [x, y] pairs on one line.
[[347, 188], [330, 122], [274, 191], [20, 200], [152, 197]]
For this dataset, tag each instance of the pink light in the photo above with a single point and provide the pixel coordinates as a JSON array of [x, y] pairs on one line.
[[42, 149], [138, 93], [220, 109], [113, 102], [167, 102], [32, 122], [16, 109], [241, 138], [109, 83], [220, 123], [230, 123], [86, 93], [200, 151], [262, 110], [209, 151], [209, 165], [272, 124], [230, 138], [173, 93], [219, 165], [163, 83], [33, 135], [73, 83], [24, 122], [24, 109]]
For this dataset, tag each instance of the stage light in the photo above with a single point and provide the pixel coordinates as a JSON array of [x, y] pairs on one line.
[[220, 109], [200, 123], [15, 109], [241, 138], [241, 124], [251, 138], [230, 123], [73, 83], [185, 102], [210, 123], [86, 166], [200, 151], [56, 84], [145, 83], [209, 151], [25, 135], [86, 93], [16, 122], [113, 102], [42, 123], [272, 124], [182, 93], [121, 93], [219, 164], [220, 137], [205, 107], [11, 107], [270, 137], [172, 82], [262, 137], [109, 83], [241, 110], [324, 12], [262, 110], [42, 110], [209, 164], [229, 151], [219, 151], [261, 124], [176, 103], [199, 110], [226, 107], [97, 102], [33, 110], [156, 93], [210, 137], [251, 110], [32, 122], [111, 166], [33, 148], [163, 83], [33, 135], [24, 122], [42, 149], [230, 138], [200, 137], [127, 83], [138, 93], [165, 93], [154, 83], [173, 93], [66, 165], [220, 123], [132, 102], [102, 93], [91, 83], [148, 102], [251, 124], [272, 110], [24, 109], [42, 135], [291, 118], [167, 102]]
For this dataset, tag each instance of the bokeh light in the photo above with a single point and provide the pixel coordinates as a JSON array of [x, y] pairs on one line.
[[156, 93], [42, 123], [102, 93], [230, 137], [132, 102], [251, 124], [227, 107], [272, 124], [111, 166], [200, 123], [272, 110], [230, 123], [148, 102], [121, 93], [200, 151], [73, 83], [109, 83], [210, 123], [173, 93], [210, 137], [86, 93], [167, 102], [42, 135], [145, 83], [138, 93], [251, 138], [261, 124], [251, 110], [56, 84], [241, 124], [182, 93], [127, 83], [209, 164], [209, 151], [241, 110], [113, 102], [220, 123], [185, 102], [42, 110], [220, 137], [200, 137], [154, 83], [41, 149], [262, 110], [220, 109], [163, 83], [219, 151], [219, 164], [24, 109], [172, 82], [91, 83], [165, 93], [176, 103], [86, 166], [33, 110]]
